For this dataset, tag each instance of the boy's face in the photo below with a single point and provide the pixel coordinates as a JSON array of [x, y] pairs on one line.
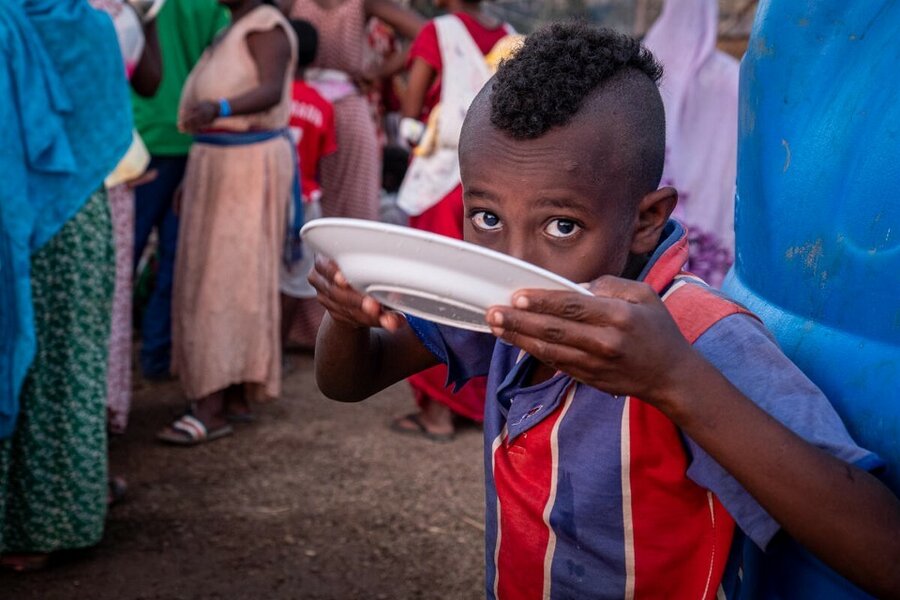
[[554, 201]]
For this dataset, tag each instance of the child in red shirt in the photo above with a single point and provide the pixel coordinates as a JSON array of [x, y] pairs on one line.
[[312, 116], [437, 404], [313, 130]]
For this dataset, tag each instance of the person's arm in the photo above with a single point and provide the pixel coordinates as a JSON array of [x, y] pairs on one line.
[[624, 341], [271, 52], [389, 67], [406, 22], [421, 78], [361, 348], [148, 73]]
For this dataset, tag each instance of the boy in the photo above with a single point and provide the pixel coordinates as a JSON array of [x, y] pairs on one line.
[[620, 460], [312, 127], [312, 116]]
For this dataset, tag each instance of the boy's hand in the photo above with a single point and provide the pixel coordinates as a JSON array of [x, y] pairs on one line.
[[622, 340], [345, 304]]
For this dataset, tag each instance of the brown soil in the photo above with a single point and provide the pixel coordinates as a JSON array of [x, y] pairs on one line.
[[315, 500]]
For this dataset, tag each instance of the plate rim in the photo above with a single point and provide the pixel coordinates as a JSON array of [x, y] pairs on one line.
[[377, 226]]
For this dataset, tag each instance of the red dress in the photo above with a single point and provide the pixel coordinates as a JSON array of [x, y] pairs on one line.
[[446, 218]]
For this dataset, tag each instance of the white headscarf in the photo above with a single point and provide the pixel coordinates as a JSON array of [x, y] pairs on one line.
[[700, 92]]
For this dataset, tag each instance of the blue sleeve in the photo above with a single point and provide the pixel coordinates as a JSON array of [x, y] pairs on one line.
[[744, 351], [467, 354]]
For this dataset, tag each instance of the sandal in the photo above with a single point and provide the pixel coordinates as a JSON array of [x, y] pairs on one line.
[[420, 430], [188, 430]]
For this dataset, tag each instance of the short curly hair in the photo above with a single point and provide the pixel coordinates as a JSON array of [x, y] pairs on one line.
[[545, 84], [569, 68]]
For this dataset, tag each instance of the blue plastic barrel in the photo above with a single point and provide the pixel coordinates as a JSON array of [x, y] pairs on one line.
[[817, 222], [818, 202]]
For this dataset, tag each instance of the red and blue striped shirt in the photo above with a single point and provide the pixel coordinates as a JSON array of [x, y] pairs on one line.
[[601, 496]]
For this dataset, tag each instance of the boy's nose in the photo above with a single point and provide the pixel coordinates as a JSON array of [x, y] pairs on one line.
[[519, 247]]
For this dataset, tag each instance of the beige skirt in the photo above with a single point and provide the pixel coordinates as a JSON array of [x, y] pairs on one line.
[[225, 303]]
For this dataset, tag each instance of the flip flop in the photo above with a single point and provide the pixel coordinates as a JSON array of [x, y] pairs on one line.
[[188, 430], [421, 429]]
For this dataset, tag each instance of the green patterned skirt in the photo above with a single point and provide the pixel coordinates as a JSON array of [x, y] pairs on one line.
[[53, 481]]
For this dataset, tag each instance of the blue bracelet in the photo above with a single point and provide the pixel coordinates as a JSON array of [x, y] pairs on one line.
[[224, 108]]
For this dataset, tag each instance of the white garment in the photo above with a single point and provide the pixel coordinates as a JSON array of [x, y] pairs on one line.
[[333, 85], [294, 280], [465, 72], [700, 92]]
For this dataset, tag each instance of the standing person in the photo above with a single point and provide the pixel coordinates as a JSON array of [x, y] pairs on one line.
[[139, 44], [313, 130], [71, 121], [700, 92], [238, 183], [185, 29], [352, 174], [447, 63]]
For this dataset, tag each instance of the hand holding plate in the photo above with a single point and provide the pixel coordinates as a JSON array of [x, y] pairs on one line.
[[345, 304], [621, 340]]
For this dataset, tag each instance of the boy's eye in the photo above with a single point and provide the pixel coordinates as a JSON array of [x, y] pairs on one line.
[[562, 228], [485, 220]]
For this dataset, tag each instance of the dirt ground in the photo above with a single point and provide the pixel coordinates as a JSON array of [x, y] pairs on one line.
[[316, 500]]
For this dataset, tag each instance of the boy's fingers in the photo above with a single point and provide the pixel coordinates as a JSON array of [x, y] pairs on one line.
[[391, 321], [345, 297], [330, 270], [624, 289], [573, 307], [325, 266], [351, 315], [512, 324]]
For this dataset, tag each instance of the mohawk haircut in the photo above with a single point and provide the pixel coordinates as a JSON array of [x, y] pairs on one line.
[[546, 83]]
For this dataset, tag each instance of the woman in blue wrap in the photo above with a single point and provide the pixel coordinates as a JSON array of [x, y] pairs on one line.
[[65, 114]]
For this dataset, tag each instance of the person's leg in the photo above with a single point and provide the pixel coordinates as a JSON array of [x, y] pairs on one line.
[[237, 404], [289, 306], [211, 409], [434, 419], [156, 328], [155, 201], [152, 199]]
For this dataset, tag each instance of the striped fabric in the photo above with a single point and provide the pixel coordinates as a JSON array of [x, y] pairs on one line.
[[573, 517], [351, 177], [673, 537], [590, 495]]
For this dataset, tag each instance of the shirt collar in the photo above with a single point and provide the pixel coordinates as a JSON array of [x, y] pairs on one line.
[[668, 259]]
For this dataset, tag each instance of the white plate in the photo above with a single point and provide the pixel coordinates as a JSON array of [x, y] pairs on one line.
[[424, 274]]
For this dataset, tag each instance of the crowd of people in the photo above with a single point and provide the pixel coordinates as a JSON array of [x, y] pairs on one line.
[[246, 119]]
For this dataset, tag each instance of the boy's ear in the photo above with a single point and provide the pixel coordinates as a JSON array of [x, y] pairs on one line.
[[654, 210]]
